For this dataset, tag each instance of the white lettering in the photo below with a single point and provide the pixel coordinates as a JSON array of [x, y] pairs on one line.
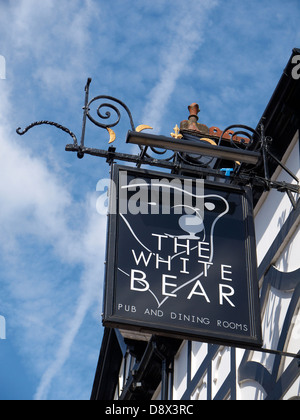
[[109, 190], [116, 410], [123, 199], [153, 312], [296, 69], [202, 248], [2, 68], [189, 318], [177, 245], [206, 267], [126, 308], [141, 257], [184, 269], [140, 280], [138, 203], [232, 326], [225, 270], [2, 328], [203, 293], [159, 240], [165, 285], [226, 295], [161, 261]]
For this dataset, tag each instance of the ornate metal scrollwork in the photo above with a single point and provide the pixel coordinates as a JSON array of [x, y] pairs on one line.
[[245, 133], [81, 149], [108, 113], [176, 161], [54, 124]]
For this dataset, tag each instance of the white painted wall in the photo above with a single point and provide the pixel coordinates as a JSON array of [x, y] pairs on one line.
[[180, 372], [275, 207]]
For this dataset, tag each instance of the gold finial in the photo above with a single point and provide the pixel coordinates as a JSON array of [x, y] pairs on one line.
[[176, 135]]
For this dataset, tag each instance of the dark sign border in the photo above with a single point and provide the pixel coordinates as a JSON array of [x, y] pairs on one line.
[[111, 320]]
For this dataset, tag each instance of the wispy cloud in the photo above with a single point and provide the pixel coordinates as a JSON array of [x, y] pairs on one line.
[[38, 207], [39, 213], [185, 36], [53, 38], [36, 204], [158, 58], [91, 293]]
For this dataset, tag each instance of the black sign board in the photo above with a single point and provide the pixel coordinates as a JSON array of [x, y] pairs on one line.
[[181, 258]]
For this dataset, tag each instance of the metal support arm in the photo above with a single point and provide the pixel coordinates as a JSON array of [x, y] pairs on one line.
[[257, 141]]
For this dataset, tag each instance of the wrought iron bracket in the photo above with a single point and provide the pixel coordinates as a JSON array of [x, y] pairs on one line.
[[262, 143], [54, 124], [274, 352], [253, 140]]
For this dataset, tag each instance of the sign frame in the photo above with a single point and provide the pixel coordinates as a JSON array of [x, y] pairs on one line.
[[226, 334]]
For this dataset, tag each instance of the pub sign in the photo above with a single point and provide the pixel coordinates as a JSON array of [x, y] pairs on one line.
[[181, 258]]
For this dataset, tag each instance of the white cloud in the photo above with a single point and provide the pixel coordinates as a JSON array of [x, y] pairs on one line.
[[52, 37], [91, 290], [44, 232], [36, 204], [50, 242], [185, 37]]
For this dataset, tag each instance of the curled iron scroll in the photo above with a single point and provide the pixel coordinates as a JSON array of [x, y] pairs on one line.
[[54, 124], [245, 132], [108, 115]]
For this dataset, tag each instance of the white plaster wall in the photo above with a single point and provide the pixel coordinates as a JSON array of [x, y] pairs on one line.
[[221, 366], [199, 353], [277, 207], [200, 393], [180, 372], [272, 323]]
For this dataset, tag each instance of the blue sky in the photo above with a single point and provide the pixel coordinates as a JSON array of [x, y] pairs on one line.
[[158, 57]]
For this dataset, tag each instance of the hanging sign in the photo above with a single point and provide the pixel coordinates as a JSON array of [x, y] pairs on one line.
[[181, 258]]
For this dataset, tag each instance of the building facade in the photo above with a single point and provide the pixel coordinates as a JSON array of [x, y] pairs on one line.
[[136, 366]]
